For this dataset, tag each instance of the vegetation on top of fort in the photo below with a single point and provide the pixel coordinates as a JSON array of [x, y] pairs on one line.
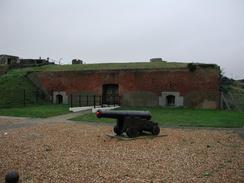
[[119, 66], [113, 66]]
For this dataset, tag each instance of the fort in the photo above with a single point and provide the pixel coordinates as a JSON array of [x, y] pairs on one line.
[[154, 83], [136, 84]]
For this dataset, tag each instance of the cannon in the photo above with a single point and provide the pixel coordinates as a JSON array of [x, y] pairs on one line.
[[133, 123]]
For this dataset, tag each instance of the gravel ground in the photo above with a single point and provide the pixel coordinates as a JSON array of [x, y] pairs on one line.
[[70, 152]]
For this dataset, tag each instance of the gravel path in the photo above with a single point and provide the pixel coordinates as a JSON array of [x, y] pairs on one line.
[[53, 150], [7, 122]]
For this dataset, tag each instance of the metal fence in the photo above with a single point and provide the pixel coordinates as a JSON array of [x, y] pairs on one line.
[[233, 101], [22, 98], [93, 100]]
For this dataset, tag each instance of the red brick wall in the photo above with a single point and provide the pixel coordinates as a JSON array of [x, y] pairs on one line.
[[181, 80]]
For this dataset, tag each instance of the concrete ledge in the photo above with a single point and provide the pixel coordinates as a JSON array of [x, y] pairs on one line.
[[79, 109], [104, 108], [94, 110]]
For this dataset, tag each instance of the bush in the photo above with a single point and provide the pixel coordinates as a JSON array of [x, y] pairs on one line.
[[192, 67]]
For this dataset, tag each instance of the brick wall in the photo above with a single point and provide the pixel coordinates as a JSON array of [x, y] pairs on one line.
[[202, 84]]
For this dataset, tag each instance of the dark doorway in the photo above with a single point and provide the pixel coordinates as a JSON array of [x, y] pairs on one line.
[[170, 99], [110, 94], [59, 99]]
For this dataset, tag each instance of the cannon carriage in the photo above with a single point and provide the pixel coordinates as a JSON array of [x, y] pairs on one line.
[[133, 123]]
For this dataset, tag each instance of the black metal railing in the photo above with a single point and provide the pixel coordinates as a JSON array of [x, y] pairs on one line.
[[93, 100], [22, 98]]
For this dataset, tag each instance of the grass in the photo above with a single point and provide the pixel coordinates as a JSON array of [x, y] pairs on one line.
[[35, 111], [183, 117], [16, 78]]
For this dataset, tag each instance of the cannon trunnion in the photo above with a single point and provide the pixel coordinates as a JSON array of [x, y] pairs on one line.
[[133, 123]]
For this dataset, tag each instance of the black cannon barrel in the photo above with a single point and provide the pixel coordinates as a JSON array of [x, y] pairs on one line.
[[123, 113]]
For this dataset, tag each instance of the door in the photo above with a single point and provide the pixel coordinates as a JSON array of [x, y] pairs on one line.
[[170, 100], [110, 94], [59, 99]]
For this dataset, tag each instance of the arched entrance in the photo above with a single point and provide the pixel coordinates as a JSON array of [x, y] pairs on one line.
[[170, 100], [59, 99]]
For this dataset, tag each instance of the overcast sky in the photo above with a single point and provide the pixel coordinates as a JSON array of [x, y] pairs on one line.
[[208, 31]]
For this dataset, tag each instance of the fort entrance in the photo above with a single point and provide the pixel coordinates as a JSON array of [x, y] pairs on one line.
[[59, 99], [170, 100], [110, 93]]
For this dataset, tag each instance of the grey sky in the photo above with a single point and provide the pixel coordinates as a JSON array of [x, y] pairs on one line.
[[209, 31]]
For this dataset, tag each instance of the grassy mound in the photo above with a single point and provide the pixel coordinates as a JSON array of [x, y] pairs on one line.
[[12, 88]]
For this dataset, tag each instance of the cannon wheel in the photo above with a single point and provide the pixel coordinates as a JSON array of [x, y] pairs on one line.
[[132, 132], [117, 130], [155, 130]]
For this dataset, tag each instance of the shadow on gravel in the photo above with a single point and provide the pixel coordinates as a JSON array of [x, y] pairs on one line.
[[142, 136]]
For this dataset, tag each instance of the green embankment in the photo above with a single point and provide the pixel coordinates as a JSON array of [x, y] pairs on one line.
[[12, 86]]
